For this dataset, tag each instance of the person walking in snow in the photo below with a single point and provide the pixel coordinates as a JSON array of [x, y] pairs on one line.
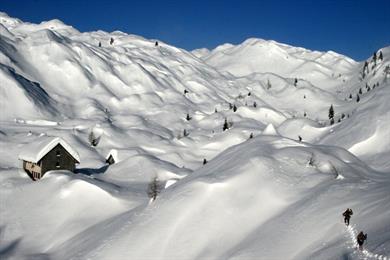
[[360, 239], [347, 216]]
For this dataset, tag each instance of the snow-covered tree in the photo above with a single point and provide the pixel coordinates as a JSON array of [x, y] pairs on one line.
[[93, 140], [154, 188], [331, 112]]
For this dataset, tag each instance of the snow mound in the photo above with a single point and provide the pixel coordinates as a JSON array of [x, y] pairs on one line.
[[270, 130]]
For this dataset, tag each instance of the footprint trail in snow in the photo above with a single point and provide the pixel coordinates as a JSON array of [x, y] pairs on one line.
[[363, 254]]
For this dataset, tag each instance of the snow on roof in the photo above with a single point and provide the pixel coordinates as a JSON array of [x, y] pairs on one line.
[[33, 152], [121, 154]]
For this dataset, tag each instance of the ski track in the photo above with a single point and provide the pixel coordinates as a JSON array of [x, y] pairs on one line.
[[362, 254]]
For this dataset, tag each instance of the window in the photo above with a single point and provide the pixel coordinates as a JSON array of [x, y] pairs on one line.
[[58, 153], [58, 165]]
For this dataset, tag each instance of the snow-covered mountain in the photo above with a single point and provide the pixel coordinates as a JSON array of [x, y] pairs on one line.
[[161, 110]]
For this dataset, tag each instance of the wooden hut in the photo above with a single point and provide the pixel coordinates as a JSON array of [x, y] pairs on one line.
[[46, 154]]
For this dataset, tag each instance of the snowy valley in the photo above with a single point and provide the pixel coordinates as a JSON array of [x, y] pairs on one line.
[[250, 163]]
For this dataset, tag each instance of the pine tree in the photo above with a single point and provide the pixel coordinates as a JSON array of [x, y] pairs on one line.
[[374, 57], [156, 43], [234, 108], [350, 96], [204, 161], [304, 114], [331, 112], [154, 188], [254, 104], [360, 91], [380, 55], [357, 98], [93, 140], [268, 84], [111, 41], [332, 121], [251, 136], [295, 82], [100, 44], [249, 94], [225, 125], [215, 110]]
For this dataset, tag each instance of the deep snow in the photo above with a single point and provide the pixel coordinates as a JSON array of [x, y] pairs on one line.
[[266, 197]]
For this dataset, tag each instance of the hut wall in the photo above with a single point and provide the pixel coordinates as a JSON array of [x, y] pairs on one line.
[[57, 159]]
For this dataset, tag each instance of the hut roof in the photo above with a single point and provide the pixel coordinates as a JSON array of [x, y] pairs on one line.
[[35, 151], [122, 154]]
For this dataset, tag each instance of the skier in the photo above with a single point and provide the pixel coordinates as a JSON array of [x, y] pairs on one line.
[[360, 239], [347, 216]]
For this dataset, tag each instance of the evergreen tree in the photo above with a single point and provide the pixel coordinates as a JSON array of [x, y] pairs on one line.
[[342, 116], [268, 84], [380, 55], [234, 108], [154, 188], [230, 106], [295, 82], [100, 44], [360, 91], [185, 91], [93, 140], [225, 125], [251, 136], [254, 104], [249, 94], [304, 114], [357, 98], [331, 112], [374, 57], [111, 41], [350, 96], [156, 43], [204, 161], [215, 110], [332, 121]]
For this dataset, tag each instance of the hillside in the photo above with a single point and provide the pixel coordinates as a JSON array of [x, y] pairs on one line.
[[161, 111]]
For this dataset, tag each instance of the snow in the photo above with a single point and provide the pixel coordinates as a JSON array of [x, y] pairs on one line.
[[34, 151], [265, 197]]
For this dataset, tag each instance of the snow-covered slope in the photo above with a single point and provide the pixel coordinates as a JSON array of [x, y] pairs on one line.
[[161, 110]]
